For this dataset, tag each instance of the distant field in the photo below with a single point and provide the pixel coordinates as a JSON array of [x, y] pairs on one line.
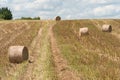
[[57, 51]]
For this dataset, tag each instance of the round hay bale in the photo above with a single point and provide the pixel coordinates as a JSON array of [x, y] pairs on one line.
[[106, 28], [17, 54], [83, 31], [58, 18]]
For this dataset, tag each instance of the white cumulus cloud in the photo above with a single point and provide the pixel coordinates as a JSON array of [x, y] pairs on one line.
[[106, 10], [67, 9]]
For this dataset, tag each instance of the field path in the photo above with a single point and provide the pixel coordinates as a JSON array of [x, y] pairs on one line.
[[45, 60], [63, 70], [35, 46], [41, 67]]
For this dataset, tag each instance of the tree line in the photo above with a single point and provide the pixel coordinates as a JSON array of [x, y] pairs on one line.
[[6, 14], [29, 18]]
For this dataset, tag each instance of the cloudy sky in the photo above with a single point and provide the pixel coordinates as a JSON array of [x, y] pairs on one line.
[[67, 9]]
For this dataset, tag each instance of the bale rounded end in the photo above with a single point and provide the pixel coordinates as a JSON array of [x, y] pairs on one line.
[[110, 28], [25, 53], [18, 54], [58, 18]]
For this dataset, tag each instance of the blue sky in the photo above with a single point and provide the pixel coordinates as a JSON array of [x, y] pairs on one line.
[[67, 9]]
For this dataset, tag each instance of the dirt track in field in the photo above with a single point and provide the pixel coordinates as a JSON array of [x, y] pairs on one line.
[[34, 54], [39, 56], [37, 70], [63, 70]]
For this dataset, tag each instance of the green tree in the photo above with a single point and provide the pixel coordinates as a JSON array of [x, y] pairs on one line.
[[5, 13]]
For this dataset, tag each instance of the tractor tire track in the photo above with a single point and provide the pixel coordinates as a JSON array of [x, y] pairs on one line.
[[40, 68], [34, 54], [63, 70]]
